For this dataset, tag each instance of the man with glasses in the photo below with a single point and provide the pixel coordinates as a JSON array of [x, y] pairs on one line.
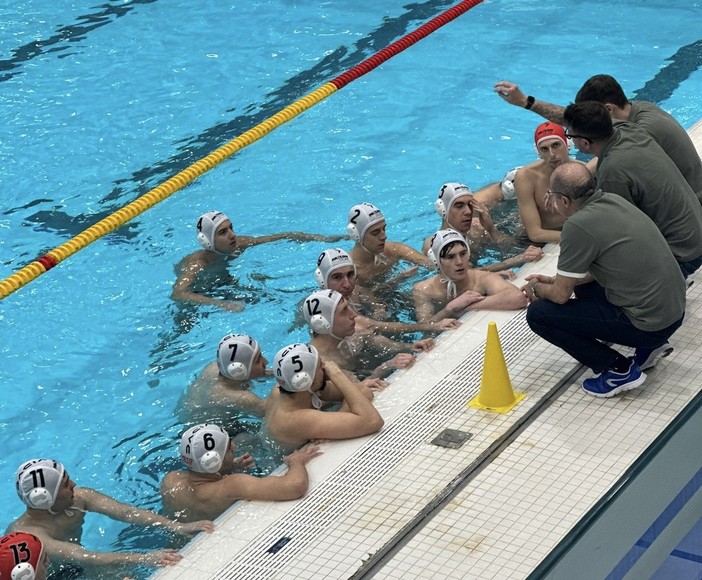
[[632, 165], [660, 125], [628, 288]]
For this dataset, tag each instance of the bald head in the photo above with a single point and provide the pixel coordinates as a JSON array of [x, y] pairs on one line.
[[574, 180]]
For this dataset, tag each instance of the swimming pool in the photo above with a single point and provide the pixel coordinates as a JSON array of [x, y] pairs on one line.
[[105, 102]]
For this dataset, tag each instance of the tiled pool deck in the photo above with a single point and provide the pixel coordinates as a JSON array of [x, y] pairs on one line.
[[494, 507]]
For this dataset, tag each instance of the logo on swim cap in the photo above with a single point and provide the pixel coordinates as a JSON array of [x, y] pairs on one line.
[[235, 356], [549, 130], [207, 225], [328, 261], [203, 447], [20, 555], [38, 481], [362, 217], [448, 193], [295, 367], [319, 310]]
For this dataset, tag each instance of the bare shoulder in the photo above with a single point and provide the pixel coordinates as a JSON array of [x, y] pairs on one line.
[[423, 286], [430, 288], [394, 249], [196, 260], [210, 372], [531, 172], [22, 525], [173, 480]]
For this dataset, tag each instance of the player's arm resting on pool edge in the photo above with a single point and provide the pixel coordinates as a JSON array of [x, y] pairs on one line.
[[292, 485]]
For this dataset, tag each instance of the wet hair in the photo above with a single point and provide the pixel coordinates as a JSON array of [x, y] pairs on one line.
[[603, 89], [447, 248], [573, 180], [589, 119]]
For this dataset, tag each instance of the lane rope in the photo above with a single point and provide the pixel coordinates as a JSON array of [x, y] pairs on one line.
[[120, 217]]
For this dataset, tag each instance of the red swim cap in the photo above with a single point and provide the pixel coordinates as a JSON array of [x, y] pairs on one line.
[[18, 551], [549, 130]]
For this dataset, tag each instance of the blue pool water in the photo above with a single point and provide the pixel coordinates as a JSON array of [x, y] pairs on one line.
[[103, 102]]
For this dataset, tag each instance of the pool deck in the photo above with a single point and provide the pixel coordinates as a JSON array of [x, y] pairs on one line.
[[395, 505]]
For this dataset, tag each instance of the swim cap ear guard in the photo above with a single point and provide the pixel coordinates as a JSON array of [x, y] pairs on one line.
[[295, 367], [328, 261], [37, 482], [235, 356], [362, 217], [23, 571], [447, 194], [207, 225], [319, 310], [203, 447], [507, 183]]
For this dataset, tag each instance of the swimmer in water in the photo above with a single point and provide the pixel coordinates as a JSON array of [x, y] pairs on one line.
[[457, 287], [294, 413], [223, 388], [373, 255], [210, 484], [332, 322], [457, 207], [22, 557], [56, 511], [200, 271], [336, 271]]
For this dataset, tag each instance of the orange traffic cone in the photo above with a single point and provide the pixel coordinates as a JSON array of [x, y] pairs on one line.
[[496, 392]]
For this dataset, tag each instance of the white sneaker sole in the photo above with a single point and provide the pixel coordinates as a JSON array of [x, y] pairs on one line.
[[627, 387]]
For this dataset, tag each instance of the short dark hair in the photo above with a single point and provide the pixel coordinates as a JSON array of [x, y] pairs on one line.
[[447, 248], [603, 89], [590, 119]]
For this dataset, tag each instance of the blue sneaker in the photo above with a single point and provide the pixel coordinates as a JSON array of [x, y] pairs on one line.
[[609, 383], [647, 358]]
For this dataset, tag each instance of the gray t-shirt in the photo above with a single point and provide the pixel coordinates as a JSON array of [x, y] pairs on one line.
[[623, 249], [672, 138], [633, 166]]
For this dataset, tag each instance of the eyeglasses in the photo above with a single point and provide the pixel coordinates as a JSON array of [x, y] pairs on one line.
[[571, 136], [551, 192]]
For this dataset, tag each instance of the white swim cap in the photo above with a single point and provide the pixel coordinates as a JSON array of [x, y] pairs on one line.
[[20, 555], [295, 366], [440, 240], [362, 217], [38, 481], [328, 261], [447, 195], [507, 184], [203, 448], [235, 355], [319, 310], [207, 225]]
